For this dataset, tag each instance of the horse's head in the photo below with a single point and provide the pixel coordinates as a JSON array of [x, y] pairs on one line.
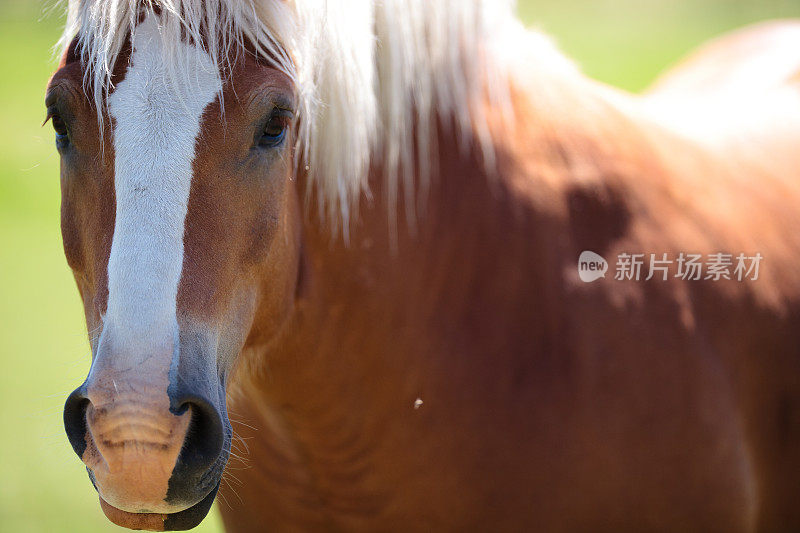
[[180, 222]]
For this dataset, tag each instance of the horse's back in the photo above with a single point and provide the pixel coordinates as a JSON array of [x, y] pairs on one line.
[[750, 60], [739, 95], [741, 91]]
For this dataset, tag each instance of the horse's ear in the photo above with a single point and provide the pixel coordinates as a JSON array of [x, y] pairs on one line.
[[70, 55]]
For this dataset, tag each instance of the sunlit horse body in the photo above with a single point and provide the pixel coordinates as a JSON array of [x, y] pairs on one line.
[[414, 350]]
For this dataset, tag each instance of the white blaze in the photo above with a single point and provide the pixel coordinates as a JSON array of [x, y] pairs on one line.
[[157, 117]]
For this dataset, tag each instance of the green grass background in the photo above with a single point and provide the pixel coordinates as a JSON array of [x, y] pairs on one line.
[[43, 347]]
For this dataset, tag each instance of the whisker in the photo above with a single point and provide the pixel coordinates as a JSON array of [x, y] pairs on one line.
[[221, 494]]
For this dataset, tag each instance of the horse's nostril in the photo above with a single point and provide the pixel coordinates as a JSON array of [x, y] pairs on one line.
[[75, 419], [204, 438], [197, 467]]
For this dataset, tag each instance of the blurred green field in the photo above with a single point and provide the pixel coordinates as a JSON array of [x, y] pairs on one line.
[[43, 347]]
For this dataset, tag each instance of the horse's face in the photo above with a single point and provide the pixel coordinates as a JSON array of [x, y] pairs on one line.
[[181, 225]]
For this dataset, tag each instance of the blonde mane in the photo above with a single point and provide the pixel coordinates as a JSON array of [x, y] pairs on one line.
[[372, 76]]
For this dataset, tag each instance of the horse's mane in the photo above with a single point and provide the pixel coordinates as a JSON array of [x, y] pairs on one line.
[[372, 77]]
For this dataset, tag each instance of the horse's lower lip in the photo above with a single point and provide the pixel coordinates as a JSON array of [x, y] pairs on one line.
[[182, 520], [146, 521]]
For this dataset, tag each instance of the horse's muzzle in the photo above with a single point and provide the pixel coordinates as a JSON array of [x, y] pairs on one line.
[[155, 454]]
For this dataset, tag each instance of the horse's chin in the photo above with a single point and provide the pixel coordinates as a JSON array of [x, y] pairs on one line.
[[180, 521]]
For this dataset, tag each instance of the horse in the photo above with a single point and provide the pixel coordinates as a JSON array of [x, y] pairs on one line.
[[353, 230]]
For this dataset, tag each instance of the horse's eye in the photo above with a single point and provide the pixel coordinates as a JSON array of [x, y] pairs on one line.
[[60, 127], [275, 129]]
